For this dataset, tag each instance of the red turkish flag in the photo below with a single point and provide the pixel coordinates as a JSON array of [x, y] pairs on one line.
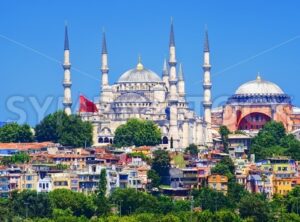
[[87, 106]]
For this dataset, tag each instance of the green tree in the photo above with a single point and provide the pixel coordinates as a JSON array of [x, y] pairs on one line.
[[224, 167], [64, 129], [254, 206], [138, 133], [192, 149], [103, 207], [5, 212], [273, 140], [292, 200], [212, 200], [224, 132], [18, 158], [131, 201], [226, 216], [14, 133], [154, 178], [161, 164], [78, 203], [31, 204], [205, 216]]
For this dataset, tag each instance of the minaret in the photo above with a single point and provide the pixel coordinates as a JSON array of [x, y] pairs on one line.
[[67, 102], [181, 84], [172, 65], [165, 74], [104, 62], [207, 103], [173, 95]]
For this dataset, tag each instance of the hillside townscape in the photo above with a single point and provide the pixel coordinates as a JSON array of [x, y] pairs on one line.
[[178, 145]]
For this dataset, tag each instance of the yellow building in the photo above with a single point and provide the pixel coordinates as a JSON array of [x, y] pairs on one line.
[[64, 181], [282, 185], [28, 181], [218, 182]]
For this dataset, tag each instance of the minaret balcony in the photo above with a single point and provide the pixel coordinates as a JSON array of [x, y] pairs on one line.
[[105, 70], [207, 85], [207, 104], [66, 66], [206, 67], [67, 101], [67, 84], [173, 81], [172, 63]]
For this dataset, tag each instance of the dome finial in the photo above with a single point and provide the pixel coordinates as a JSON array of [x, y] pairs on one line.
[[258, 77], [139, 65]]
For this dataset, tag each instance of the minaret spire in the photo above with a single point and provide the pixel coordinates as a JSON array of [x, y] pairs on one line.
[[181, 84], [172, 38], [172, 64], [67, 102], [66, 46], [104, 47], [206, 42], [180, 72], [104, 63], [173, 94], [165, 74], [165, 68], [207, 102]]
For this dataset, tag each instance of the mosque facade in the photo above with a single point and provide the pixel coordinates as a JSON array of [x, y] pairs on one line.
[[142, 93]]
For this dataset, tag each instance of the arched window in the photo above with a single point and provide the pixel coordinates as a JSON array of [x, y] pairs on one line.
[[165, 140], [253, 121], [110, 141], [106, 140], [100, 140]]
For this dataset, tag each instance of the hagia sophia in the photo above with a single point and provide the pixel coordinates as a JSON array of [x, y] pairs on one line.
[[255, 103], [142, 93]]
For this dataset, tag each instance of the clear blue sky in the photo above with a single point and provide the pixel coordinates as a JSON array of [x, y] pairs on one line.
[[246, 37]]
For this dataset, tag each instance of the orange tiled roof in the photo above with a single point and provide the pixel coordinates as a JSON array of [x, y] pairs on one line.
[[25, 146]]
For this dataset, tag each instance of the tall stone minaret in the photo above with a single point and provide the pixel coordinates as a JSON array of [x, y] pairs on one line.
[[165, 74], [173, 95], [67, 102], [172, 65], [207, 103], [181, 84], [104, 64]]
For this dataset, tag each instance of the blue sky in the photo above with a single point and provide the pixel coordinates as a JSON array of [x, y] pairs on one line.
[[246, 37]]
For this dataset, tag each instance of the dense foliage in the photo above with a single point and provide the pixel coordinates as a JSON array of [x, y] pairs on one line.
[[161, 165], [192, 149], [15, 133], [272, 140], [137, 132], [64, 129], [224, 132], [135, 206], [20, 157]]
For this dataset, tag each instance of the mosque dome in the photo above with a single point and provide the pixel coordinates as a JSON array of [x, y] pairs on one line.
[[131, 98], [259, 91], [259, 87], [139, 75]]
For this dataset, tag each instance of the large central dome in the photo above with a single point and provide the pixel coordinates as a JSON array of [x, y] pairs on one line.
[[259, 87], [139, 75]]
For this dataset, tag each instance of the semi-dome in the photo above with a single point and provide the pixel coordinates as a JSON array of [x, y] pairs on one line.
[[259, 87], [139, 75]]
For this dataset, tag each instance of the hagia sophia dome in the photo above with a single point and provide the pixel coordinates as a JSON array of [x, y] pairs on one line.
[[259, 87], [259, 91]]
